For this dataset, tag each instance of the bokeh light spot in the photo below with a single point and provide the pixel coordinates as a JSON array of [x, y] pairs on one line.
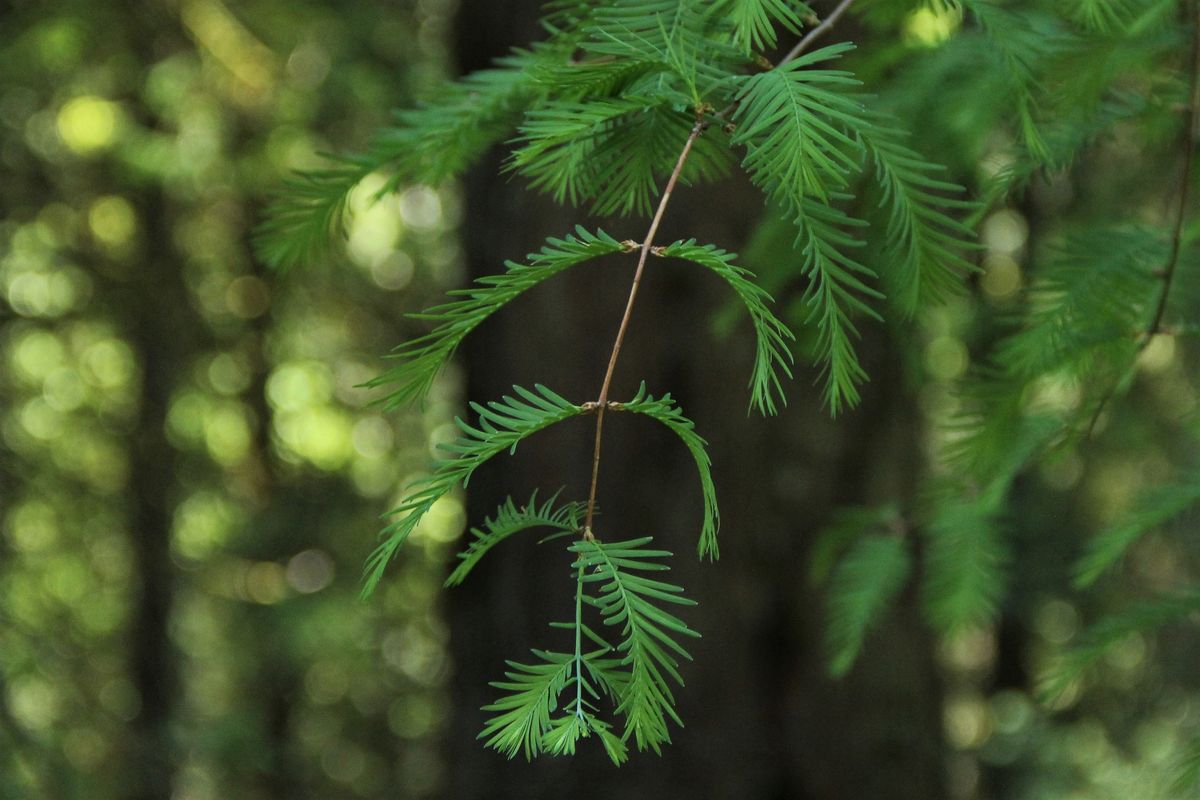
[[112, 220], [88, 124]]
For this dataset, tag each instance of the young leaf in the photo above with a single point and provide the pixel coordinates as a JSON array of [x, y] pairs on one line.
[[665, 411], [649, 634], [501, 426], [420, 359], [531, 696], [772, 354], [869, 576], [510, 520]]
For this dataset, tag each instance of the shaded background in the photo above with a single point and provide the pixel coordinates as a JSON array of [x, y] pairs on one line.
[[190, 479]]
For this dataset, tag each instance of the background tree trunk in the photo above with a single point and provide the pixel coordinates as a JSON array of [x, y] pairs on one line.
[[762, 719]]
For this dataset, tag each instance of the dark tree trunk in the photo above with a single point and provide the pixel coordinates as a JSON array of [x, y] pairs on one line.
[[157, 312], [762, 719]]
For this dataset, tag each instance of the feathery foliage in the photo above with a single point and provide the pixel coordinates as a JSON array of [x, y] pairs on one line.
[[501, 426], [628, 97], [754, 21], [925, 245], [422, 358], [636, 673], [523, 718], [511, 520], [796, 123], [1160, 505], [1142, 618], [429, 144], [631, 603], [772, 352], [965, 563], [1091, 303], [866, 580], [836, 291], [664, 410]]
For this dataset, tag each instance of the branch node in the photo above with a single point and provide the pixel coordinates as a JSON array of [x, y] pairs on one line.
[[630, 246]]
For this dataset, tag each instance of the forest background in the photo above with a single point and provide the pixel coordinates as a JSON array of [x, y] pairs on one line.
[[191, 474]]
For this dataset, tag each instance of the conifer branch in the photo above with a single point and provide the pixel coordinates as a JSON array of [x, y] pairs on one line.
[[1185, 178], [1190, 138], [647, 243]]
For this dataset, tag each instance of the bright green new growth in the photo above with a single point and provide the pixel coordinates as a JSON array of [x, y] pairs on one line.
[[635, 674], [511, 520], [501, 426]]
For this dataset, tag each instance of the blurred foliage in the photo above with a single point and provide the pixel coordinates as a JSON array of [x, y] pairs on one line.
[[148, 363], [151, 370]]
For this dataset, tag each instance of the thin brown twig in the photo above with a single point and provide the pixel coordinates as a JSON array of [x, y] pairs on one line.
[[601, 404], [812, 35], [647, 243], [1167, 273]]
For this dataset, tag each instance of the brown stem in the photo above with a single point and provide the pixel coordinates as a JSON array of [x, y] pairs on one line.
[[811, 36], [647, 243], [1167, 274], [1185, 180]]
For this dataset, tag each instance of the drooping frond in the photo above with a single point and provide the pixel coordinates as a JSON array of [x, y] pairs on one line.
[[424, 145], [754, 21], [798, 124], [1160, 505], [501, 426], [522, 718], [802, 132], [420, 359], [773, 355], [511, 519], [650, 635], [925, 245], [965, 559], [836, 291], [845, 527], [866, 580], [665, 411], [1143, 618]]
